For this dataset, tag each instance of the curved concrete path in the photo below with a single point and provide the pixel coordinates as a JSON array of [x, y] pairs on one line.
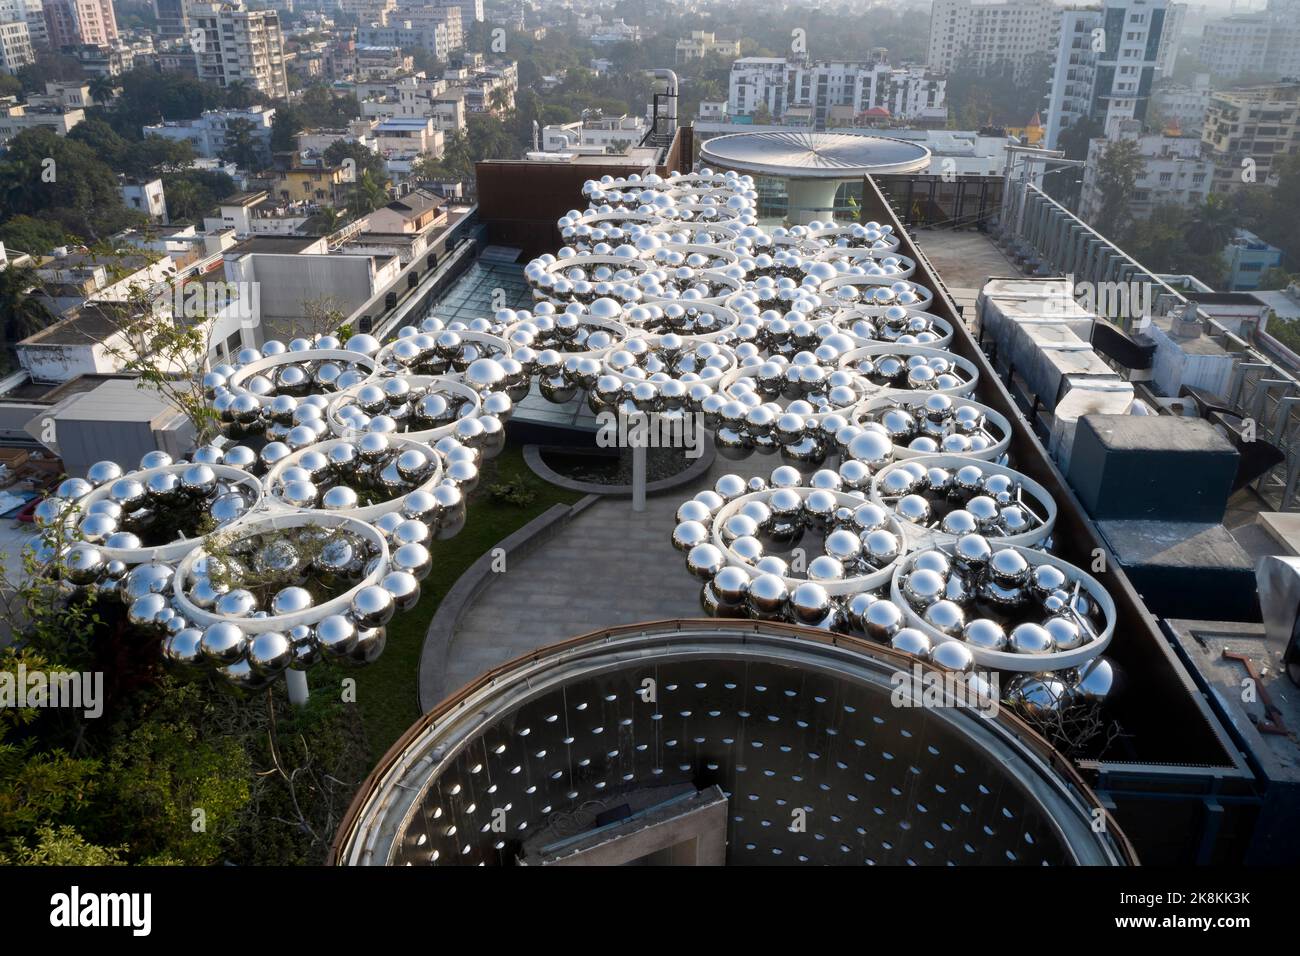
[[607, 566]]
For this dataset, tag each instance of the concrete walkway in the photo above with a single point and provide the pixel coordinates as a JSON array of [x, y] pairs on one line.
[[609, 565]]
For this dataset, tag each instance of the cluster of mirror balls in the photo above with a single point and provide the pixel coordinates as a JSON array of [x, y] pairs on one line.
[[739, 539], [958, 500], [288, 510]]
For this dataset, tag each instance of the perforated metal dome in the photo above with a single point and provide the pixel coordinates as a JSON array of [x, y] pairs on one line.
[[813, 155], [783, 719]]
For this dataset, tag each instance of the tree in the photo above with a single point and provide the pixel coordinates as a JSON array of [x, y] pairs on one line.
[[1117, 171], [368, 194], [39, 237], [322, 316], [1275, 278], [1213, 224], [239, 95], [62, 180], [285, 127], [102, 89], [365, 160], [241, 148], [169, 354], [192, 193], [22, 311]]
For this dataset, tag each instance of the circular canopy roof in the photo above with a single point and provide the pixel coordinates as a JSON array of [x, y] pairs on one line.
[[810, 155]]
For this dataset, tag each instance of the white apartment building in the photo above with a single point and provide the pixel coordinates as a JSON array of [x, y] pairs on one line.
[[470, 10], [1264, 45], [985, 34], [438, 30], [15, 46], [1172, 173], [240, 46], [207, 134], [611, 134], [757, 83], [838, 94], [1184, 104], [1106, 61], [144, 196]]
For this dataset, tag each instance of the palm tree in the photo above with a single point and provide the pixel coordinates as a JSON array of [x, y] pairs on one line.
[[239, 95], [22, 313], [101, 89], [1212, 226], [368, 195]]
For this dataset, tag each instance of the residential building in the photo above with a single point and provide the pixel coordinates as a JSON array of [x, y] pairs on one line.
[[418, 211], [713, 111], [367, 11], [1106, 61], [173, 19], [1172, 172], [80, 22], [439, 30], [1248, 257], [70, 96], [208, 133], [16, 117], [382, 62], [608, 34], [835, 94], [612, 134], [1264, 45], [988, 35], [37, 31], [1183, 104], [1248, 132], [103, 60], [318, 140], [408, 137], [309, 180], [240, 46], [15, 46], [144, 196], [702, 43], [488, 87]]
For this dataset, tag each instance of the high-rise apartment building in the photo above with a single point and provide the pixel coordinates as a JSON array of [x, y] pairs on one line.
[[15, 43], [989, 34], [173, 19], [1264, 45], [239, 46], [822, 94], [80, 23], [34, 12], [1106, 60]]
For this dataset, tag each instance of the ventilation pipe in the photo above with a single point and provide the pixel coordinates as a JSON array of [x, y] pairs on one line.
[[671, 96]]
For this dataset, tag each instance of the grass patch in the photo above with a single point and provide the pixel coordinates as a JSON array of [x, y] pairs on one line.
[[386, 689]]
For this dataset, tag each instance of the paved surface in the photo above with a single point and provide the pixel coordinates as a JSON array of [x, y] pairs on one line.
[[608, 566], [965, 261]]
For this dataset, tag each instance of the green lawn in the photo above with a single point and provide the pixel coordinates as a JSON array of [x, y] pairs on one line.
[[386, 690]]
